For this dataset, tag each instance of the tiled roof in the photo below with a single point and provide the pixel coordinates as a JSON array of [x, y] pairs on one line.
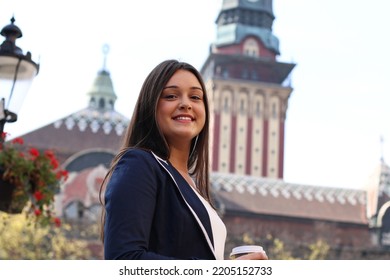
[[261, 196], [108, 121], [79, 131], [258, 195]]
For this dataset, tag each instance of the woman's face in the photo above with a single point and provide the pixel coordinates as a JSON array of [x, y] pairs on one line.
[[181, 113]]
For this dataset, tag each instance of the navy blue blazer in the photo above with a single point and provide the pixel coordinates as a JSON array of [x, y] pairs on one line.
[[152, 212]]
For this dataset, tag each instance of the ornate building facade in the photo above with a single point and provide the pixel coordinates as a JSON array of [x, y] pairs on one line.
[[249, 91]]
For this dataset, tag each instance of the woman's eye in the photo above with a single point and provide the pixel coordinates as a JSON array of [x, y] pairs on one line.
[[169, 96], [196, 97]]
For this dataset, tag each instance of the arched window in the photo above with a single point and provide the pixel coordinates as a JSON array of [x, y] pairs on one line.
[[251, 47], [274, 111], [258, 108], [226, 104], [102, 103]]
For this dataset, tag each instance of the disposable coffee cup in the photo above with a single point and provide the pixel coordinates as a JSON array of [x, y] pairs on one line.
[[245, 249]]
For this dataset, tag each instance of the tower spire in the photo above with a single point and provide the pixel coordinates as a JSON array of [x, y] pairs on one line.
[[102, 95], [106, 50]]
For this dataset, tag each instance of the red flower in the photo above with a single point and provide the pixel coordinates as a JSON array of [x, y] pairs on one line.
[[54, 163], [37, 175], [49, 154], [34, 152], [38, 195], [57, 221], [62, 173], [18, 140], [4, 135]]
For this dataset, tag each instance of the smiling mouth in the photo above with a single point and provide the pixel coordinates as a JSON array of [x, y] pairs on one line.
[[181, 118]]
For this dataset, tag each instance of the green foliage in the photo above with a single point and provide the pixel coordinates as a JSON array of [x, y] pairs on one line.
[[36, 177], [22, 240], [279, 252], [318, 250]]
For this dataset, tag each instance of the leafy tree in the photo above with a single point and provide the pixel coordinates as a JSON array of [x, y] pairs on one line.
[[318, 250], [21, 239], [279, 252]]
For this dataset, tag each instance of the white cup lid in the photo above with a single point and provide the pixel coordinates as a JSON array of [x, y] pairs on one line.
[[246, 249]]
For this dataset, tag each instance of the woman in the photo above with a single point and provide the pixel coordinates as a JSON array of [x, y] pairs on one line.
[[157, 199]]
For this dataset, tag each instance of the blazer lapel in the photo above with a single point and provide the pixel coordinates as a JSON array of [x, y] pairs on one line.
[[193, 202]]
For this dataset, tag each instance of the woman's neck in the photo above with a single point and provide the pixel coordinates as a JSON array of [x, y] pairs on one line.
[[179, 159]]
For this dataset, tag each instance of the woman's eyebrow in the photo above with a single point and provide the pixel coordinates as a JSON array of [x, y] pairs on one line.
[[170, 87], [174, 86]]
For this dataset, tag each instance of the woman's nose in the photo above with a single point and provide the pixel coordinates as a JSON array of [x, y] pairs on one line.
[[184, 105]]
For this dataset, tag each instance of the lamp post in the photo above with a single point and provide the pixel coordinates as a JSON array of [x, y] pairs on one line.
[[17, 71]]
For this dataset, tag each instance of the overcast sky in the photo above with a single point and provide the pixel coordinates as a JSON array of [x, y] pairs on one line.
[[337, 113]]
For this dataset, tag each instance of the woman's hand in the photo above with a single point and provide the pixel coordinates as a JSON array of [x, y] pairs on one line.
[[254, 256]]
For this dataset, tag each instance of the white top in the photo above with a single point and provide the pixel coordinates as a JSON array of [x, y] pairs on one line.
[[218, 228]]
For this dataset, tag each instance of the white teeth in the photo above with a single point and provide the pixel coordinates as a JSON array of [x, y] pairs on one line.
[[183, 118]]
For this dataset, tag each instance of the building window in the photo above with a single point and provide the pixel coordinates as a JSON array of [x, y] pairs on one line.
[[225, 73], [218, 70], [226, 104], [242, 106], [254, 75], [251, 47], [274, 110], [102, 103], [258, 109], [244, 73], [92, 102]]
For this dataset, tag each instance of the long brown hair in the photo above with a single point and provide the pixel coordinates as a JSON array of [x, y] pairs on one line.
[[143, 131]]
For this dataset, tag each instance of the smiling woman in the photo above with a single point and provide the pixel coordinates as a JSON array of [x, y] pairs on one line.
[[159, 215], [167, 212]]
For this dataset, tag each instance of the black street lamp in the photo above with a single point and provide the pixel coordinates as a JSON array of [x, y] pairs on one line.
[[17, 72]]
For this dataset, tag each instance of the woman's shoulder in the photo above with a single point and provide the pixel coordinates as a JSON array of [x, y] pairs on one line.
[[142, 155], [141, 161], [136, 153]]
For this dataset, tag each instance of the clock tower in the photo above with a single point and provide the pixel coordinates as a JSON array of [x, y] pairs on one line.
[[248, 91]]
